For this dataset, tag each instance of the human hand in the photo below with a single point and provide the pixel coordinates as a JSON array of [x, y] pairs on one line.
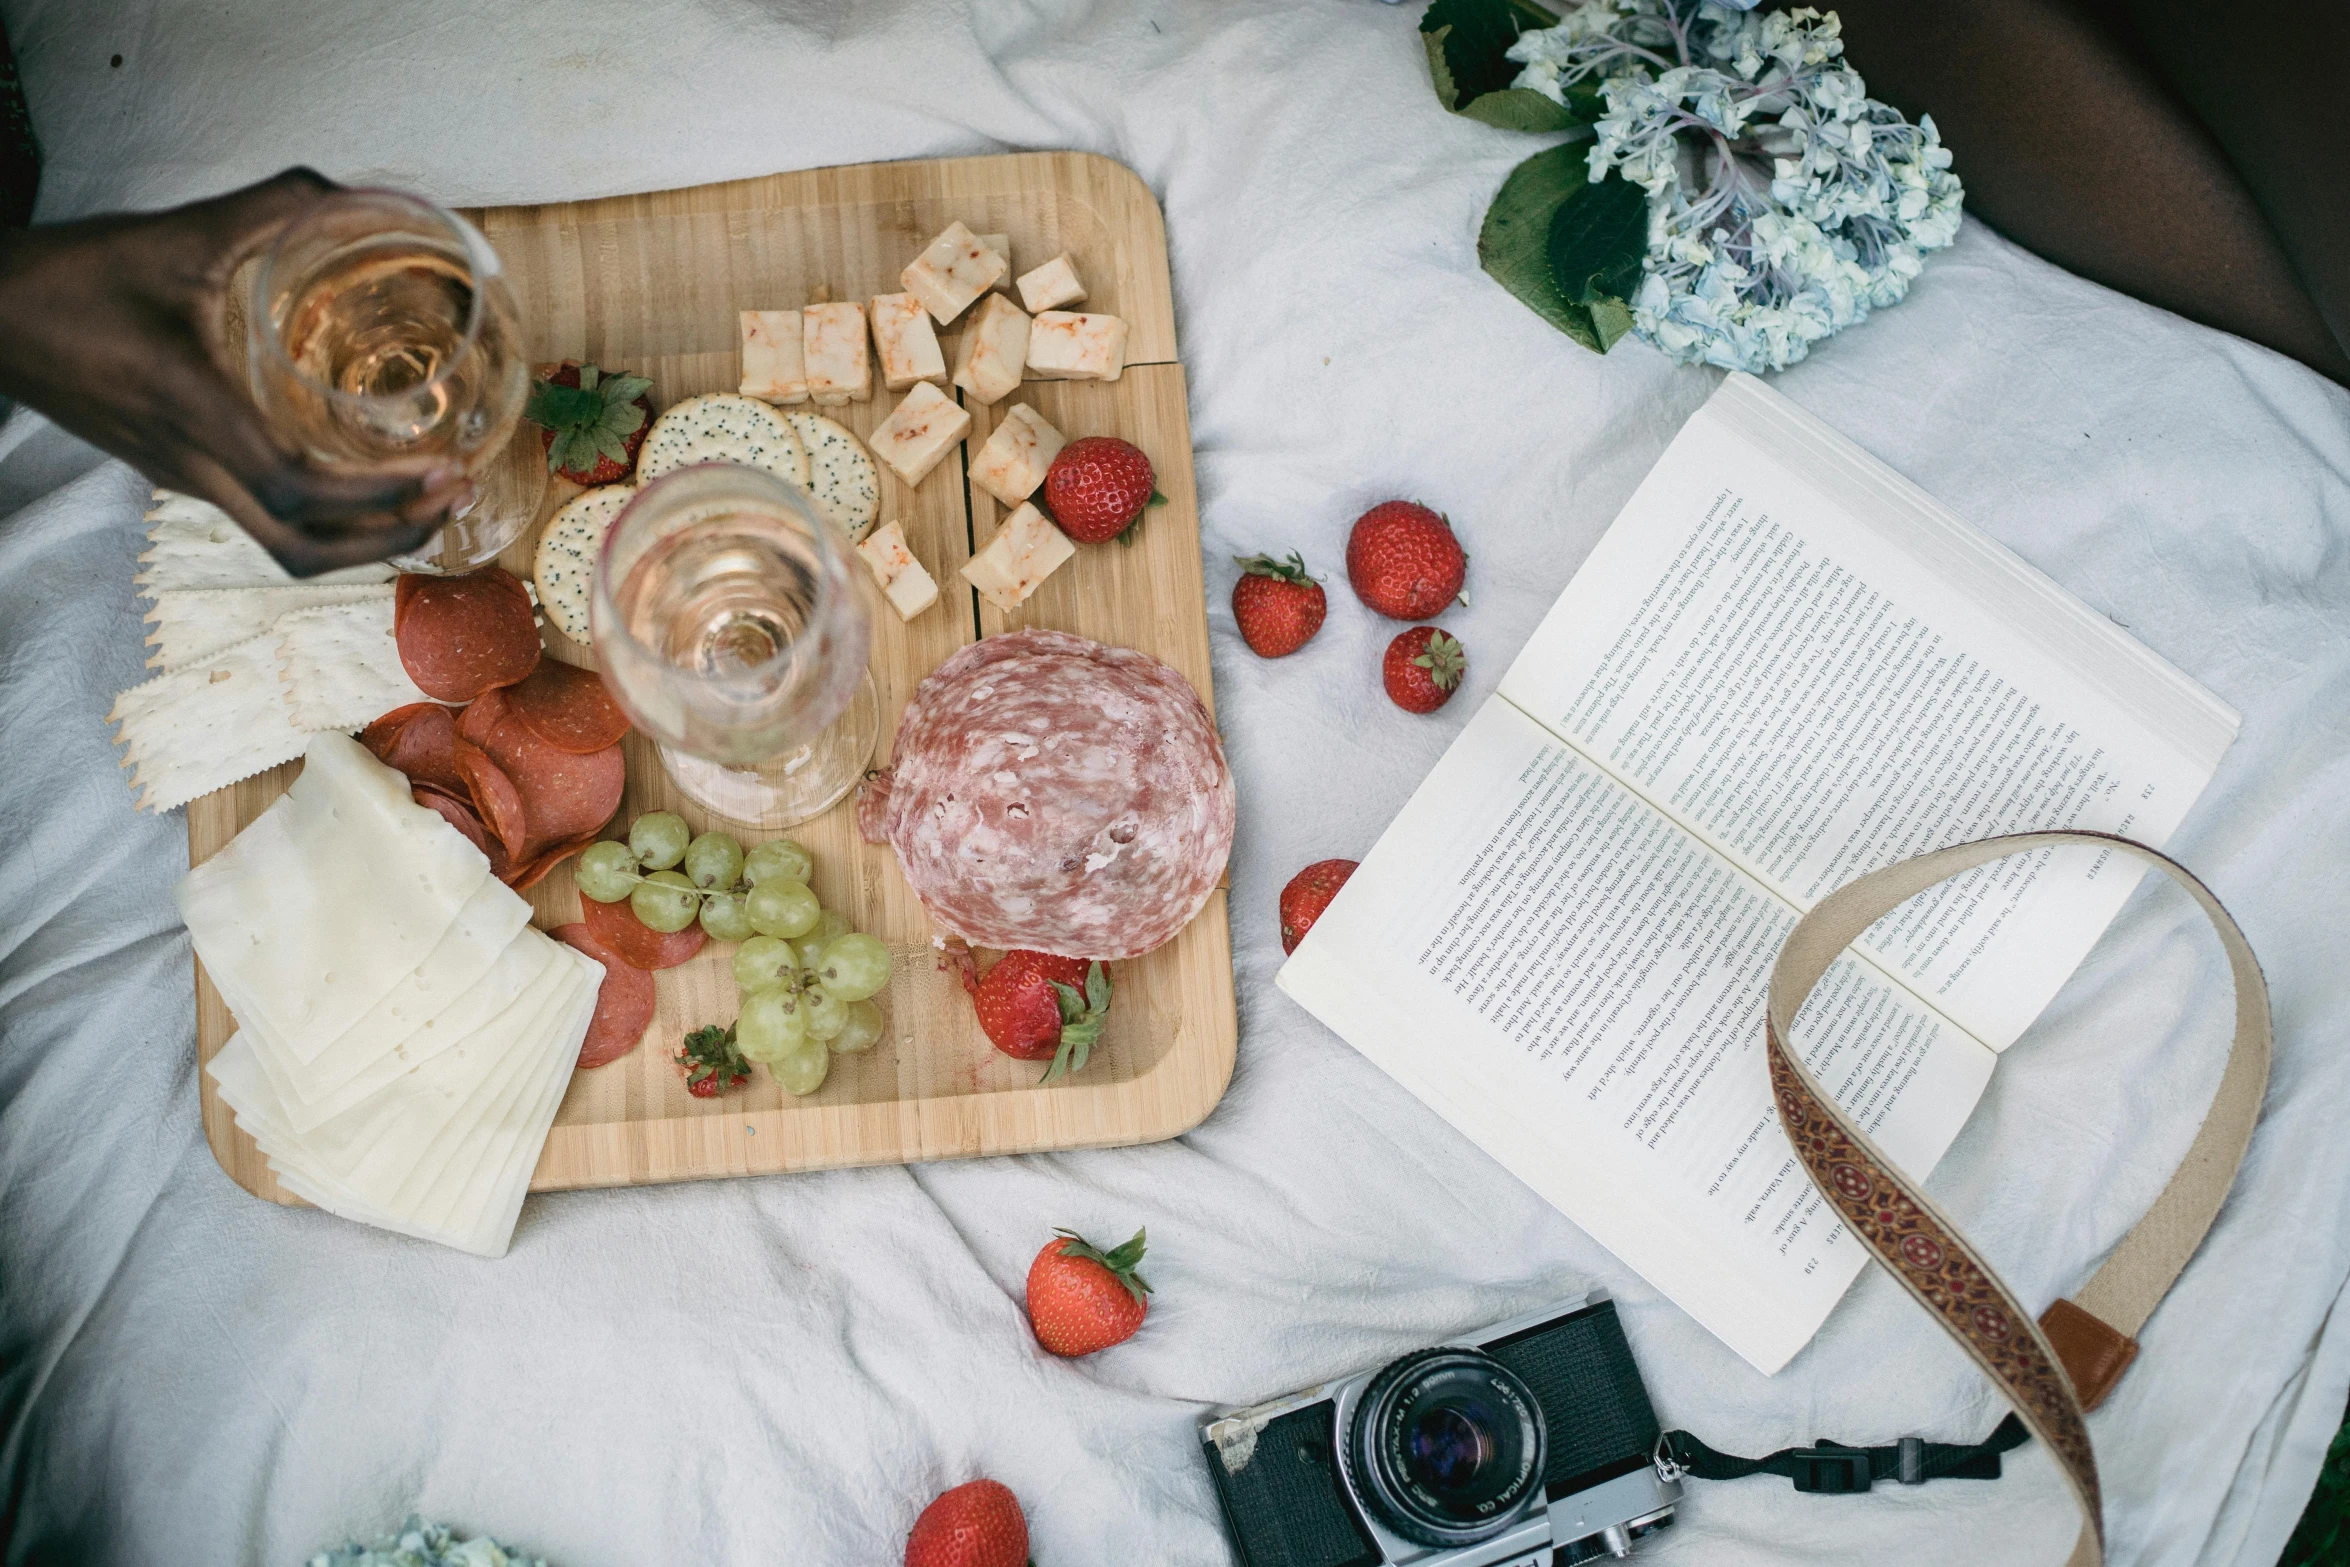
[[112, 328]]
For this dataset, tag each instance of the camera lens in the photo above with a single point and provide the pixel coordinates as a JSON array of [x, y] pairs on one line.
[[1446, 1446]]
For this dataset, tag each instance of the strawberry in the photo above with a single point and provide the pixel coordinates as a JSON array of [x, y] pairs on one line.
[[1038, 1007], [711, 1062], [1423, 669], [974, 1525], [1309, 892], [1277, 606], [1098, 486], [590, 423], [1081, 1299], [1404, 561]]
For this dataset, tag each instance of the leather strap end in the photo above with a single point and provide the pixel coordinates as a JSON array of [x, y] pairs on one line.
[[2092, 1351]]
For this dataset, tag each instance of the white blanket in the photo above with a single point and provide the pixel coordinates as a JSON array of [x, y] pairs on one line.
[[784, 1370]]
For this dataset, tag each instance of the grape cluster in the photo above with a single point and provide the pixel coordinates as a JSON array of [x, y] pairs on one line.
[[807, 977]]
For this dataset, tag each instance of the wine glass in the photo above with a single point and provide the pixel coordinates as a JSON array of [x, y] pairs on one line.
[[731, 629], [380, 326]]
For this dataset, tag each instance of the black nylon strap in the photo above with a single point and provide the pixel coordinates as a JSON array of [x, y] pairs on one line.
[[1831, 1467]]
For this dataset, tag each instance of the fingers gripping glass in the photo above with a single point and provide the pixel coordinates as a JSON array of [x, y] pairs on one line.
[[380, 328], [729, 626]]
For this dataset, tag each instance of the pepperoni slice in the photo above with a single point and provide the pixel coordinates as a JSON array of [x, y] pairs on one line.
[[461, 636], [495, 796], [458, 815], [525, 876], [378, 736], [481, 715], [425, 748], [564, 795], [617, 927], [568, 707], [624, 1004]]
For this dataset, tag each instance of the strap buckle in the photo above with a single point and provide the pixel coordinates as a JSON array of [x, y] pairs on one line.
[[1830, 1469]]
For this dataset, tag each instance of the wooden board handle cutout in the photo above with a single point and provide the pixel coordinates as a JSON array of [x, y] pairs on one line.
[[2055, 1370]]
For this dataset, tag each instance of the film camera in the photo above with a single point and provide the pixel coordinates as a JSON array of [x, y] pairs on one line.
[[1530, 1444]]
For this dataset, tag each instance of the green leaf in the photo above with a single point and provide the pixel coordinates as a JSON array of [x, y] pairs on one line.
[[1521, 109], [619, 389], [1514, 244], [1598, 242], [1611, 318], [1468, 43], [562, 407]]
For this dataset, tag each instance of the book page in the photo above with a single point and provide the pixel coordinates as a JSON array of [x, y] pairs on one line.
[[1577, 983], [1803, 660]]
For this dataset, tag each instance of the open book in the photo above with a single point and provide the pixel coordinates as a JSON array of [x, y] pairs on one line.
[[1784, 666]]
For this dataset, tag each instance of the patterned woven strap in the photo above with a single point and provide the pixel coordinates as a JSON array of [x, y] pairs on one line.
[[1921, 1247]]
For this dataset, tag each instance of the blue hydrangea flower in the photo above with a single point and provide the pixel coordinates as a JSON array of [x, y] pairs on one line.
[[421, 1544], [1784, 203]]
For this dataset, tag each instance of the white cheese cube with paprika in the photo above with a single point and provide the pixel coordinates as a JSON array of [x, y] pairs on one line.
[[908, 587], [832, 348], [994, 352], [1025, 550], [1015, 459], [1051, 286], [1001, 244], [923, 429], [773, 369], [953, 271], [904, 342], [1065, 346]]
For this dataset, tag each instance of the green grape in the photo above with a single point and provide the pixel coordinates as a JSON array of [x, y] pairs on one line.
[[665, 901], [803, 1070], [779, 859], [855, 966], [713, 861], [772, 1026], [811, 950], [658, 839], [864, 1027], [827, 1013], [606, 872], [834, 923], [782, 908], [725, 917], [763, 963]]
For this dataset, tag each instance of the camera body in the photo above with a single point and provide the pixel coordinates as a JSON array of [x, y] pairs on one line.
[[1529, 1444]]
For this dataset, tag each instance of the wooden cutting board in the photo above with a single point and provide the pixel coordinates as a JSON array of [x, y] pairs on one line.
[[652, 284]]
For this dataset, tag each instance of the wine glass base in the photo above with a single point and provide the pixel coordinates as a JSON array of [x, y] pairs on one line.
[[788, 789]]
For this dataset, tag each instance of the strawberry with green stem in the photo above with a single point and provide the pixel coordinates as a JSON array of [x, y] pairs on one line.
[[1037, 1006], [590, 422], [1082, 1299], [712, 1062], [1423, 668]]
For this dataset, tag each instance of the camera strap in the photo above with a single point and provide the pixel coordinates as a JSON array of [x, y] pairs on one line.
[[2056, 1369], [1832, 1468]]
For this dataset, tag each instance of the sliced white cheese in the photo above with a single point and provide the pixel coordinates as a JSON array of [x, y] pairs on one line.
[[1051, 286], [207, 724], [993, 354], [565, 566], [909, 588], [194, 544], [187, 624], [1025, 550], [952, 271], [341, 667], [920, 431], [841, 476], [773, 370], [1013, 460], [904, 343], [832, 345], [1064, 346], [721, 427]]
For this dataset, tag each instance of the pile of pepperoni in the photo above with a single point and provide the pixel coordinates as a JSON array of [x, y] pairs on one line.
[[528, 766], [630, 951]]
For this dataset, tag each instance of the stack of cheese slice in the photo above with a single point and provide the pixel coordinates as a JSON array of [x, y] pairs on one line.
[[404, 1034]]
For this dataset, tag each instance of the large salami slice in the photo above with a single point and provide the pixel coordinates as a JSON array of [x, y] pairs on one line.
[[461, 636], [624, 1004], [1053, 793]]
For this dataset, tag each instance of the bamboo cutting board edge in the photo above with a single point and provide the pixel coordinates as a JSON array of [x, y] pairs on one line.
[[1147, 1090]]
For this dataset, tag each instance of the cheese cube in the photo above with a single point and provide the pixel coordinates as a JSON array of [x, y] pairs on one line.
[[1017, 456], [1001, 244], [832, 346], [924, 428], [773, 370], [903, 341], [994, 351], [1063, 346], [909, 589], [1051, 286], [1025, 550], [955, 270]]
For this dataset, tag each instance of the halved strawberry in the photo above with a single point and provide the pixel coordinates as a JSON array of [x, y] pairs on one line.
[[590, 423], [712, 1062]]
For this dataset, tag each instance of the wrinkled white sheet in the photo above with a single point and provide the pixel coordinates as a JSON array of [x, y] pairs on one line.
[[784, 1369]]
